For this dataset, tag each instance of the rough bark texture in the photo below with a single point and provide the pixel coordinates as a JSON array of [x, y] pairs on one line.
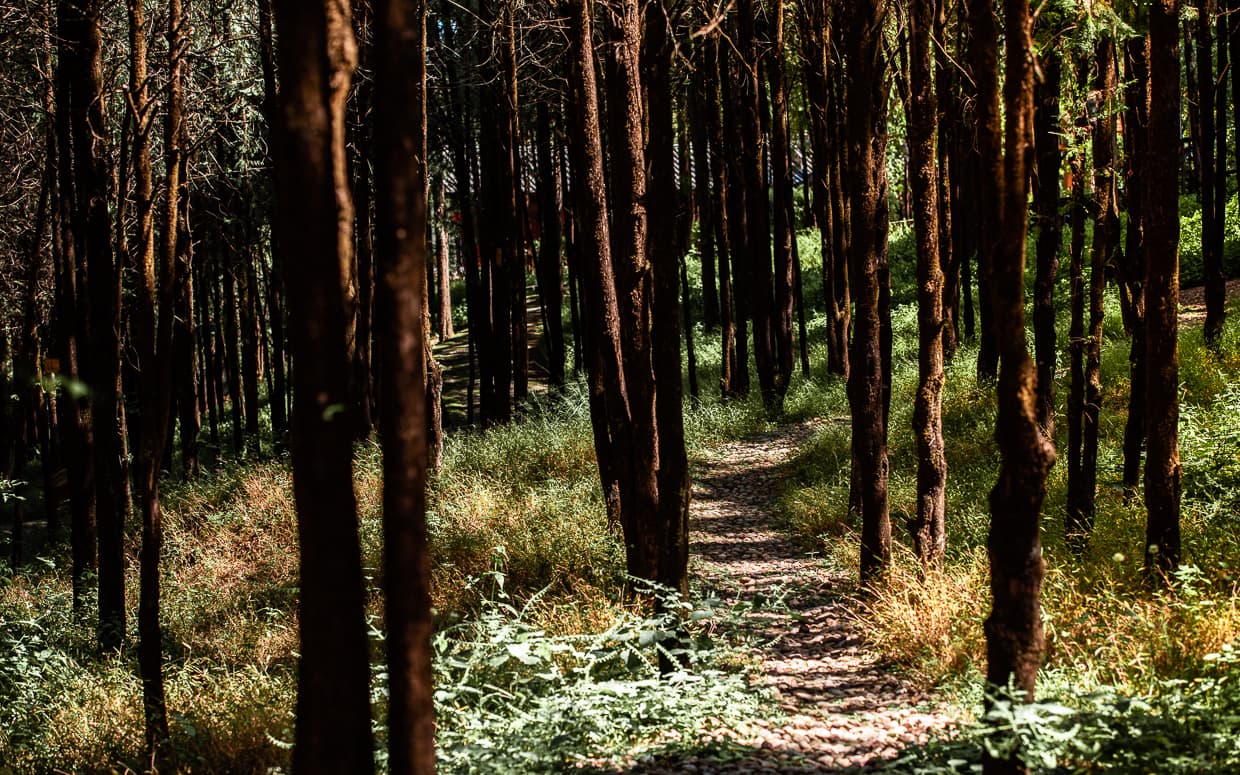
[[673, 473], [1162, 295], [929, 534], [316, 56], [866, 133], [1014, 635], [624, 460]]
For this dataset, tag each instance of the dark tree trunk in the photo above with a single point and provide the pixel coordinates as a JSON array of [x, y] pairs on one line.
[[1132, 268], [617, 369], [232, 353], [1209, 172], [983, 59], [184, 340], [316, 56], [275, 288], [154, 313], [929, 533], [633, 279], [664, 255], [1162, 295], [550, 266], [751, 166], [97, 444], [443, 261], [734, 220], [400, 126], [1106, 241], [1046, 140], [1014, 635], [75, 422], [719, 207], [511, 173], [248, 309], [945, 92], [703, 195], [363, 266], [866, 133], [783, 238]]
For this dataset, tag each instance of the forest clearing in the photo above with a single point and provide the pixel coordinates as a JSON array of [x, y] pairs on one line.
[[619, 386]]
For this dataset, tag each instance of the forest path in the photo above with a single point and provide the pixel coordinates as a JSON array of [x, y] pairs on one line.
[[846, 712]]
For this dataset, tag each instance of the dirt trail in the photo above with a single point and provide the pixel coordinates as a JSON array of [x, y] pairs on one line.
[[846, 712]]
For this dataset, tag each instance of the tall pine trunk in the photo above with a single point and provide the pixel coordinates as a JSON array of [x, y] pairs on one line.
[[1014, 635], [1162, 294], [929, 533], [316, 56], [866, 135]]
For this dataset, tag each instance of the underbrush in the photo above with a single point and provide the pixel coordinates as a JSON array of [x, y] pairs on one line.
[[523, 497], [1120, 655]]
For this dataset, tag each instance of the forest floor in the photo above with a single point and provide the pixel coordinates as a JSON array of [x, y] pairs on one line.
[[845, 711]]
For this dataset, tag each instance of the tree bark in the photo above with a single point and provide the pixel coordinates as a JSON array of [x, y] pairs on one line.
[[929, 534], [866, 132], [752, 169], [1014, 635], [316, 56], [1208, 172], [664, 255], [983, 59], [550, 265], [400, 249], [783, 238], [1050, 232], [1132, 269], [1162, 295]]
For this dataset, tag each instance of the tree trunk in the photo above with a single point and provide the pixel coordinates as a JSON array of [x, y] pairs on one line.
[[720, 212], [983, 60], [1162, 295], [627, 451], [1132, 268], [550, 272], [734, 221], [784, 234], [232, 352], [1212, 205], [1106, 240], [1050, 232], [866, 133], [248, 309], [316, 56], [751, 166], [929, 533], [184, 340], [400, 152], [275, 289], [1014, 635], [664, 256]]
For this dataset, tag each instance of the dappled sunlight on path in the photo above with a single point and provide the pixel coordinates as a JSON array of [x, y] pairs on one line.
[[845, 712]]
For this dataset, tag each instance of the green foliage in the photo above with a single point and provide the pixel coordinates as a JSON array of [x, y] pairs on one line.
[[1192, 271], [1180, 726], [510, 697]]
